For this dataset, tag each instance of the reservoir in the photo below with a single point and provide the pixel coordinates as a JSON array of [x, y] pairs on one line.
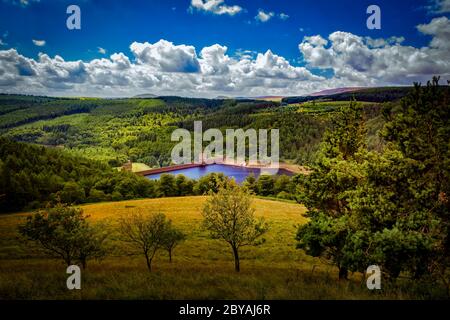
[[238, 173]]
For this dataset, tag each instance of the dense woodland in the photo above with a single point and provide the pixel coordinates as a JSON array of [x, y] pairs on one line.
[[116, 130]]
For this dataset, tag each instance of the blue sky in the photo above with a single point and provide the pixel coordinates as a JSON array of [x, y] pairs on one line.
[[114, 25]]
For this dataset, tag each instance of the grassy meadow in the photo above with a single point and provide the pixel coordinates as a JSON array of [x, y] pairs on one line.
[[202, 268]]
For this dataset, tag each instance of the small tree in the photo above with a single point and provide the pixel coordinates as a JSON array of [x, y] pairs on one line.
[[92, 243], [228, 216], [172, 238], [145, 233], [64, 232]]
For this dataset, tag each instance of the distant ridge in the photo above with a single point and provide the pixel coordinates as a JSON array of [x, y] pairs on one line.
[[336, 91], [265, 98], [376, 94], [145, 95], [223, 97]]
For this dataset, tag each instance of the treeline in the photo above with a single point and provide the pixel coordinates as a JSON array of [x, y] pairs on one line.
[[280, 186], [232, 114], [116, 130]]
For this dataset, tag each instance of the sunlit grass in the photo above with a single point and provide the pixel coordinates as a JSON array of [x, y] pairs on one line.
[[202, 268]]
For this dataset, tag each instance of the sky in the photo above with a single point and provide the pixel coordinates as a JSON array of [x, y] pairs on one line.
[[206, 48]]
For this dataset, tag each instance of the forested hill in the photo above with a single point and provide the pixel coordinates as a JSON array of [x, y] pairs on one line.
[[115, 130], [31, 176]]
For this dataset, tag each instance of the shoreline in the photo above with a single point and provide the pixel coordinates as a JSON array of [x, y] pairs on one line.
[[292, 168]]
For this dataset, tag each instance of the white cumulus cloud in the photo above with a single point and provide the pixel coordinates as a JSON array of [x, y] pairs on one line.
[[39, 43], [215, 6], [166, 56], [263, 16], [373, 61], [283, 16]]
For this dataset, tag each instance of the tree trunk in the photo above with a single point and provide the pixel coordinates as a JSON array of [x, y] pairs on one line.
[[343, 273], [236, 259], [170, 255], [149, 262]]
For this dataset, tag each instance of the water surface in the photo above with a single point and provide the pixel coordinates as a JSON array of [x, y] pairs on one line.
[[238, 173]]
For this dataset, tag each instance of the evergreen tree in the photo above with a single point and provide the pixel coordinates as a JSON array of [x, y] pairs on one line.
[[325, 191]]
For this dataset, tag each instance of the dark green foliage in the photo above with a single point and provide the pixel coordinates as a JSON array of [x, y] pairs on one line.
[[40, 110], [32, 176], [167, 186], [250, 183], [72, 193], [325, 191], [284, 184], [183, 185], [63, 232], [210, 182], [265, 185], [388, 208]]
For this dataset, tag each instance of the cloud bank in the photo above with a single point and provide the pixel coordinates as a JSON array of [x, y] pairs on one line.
[[166, 68]]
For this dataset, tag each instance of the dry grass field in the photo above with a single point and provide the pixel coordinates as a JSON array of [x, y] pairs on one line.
[[202, 268]]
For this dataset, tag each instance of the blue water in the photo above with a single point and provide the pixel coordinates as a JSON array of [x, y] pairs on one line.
[[238, 173]]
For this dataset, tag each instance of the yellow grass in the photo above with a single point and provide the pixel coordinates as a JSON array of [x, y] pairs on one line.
[[136, 167], [185, 213], [202, 268]]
